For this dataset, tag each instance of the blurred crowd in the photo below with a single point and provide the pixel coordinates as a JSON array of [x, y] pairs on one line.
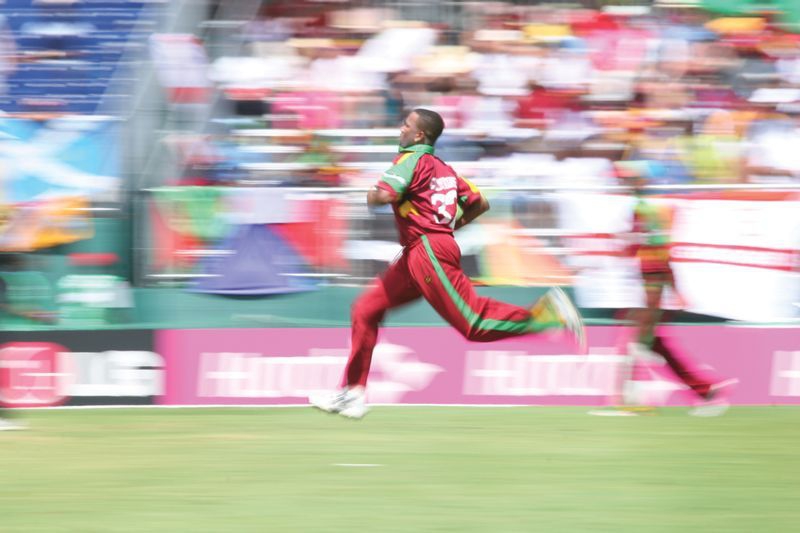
[[531, 95], [312, 93]]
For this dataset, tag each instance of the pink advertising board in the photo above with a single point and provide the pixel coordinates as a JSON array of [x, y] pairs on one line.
[[437, 366]]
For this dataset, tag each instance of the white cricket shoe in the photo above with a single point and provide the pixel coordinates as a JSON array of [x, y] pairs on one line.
[[348, 402], [568, 315], [356, 404], [717, 400], [330, 402], [8, 425]]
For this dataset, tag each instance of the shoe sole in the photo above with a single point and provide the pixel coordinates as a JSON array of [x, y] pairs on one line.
[[571, 316], [334, 411], [721, 407], [353, 416], [318, 406], [727, 384], [329, 411]]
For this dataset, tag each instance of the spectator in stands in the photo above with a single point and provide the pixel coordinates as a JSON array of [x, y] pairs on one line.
[[714, 155], [771, 148], [8, 54], [542, 106]]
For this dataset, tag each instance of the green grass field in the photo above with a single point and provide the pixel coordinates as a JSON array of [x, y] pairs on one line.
[[438, 469]]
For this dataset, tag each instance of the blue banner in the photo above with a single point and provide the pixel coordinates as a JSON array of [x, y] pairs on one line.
[[65, 156]]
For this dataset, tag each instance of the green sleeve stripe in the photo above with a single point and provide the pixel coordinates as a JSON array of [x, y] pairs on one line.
[[473, 318], [399, 187], [395, 178], [400, 175], [398, 183]]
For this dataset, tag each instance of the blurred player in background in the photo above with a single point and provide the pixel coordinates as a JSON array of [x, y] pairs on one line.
[[11, 262], [7, 262], [650, 244], [430, 201]]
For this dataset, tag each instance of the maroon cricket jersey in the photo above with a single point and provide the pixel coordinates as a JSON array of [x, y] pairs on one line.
[[429, 195]]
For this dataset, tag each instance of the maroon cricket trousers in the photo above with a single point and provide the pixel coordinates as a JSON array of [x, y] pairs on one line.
[[430, 268]]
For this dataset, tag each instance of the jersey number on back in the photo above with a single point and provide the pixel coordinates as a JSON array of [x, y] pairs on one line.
[[442, 202]]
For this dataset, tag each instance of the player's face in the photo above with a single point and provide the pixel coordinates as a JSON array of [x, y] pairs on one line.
[[410, 134]]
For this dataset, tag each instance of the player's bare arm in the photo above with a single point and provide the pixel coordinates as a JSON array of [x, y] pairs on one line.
[[377, 197], [473, 211]]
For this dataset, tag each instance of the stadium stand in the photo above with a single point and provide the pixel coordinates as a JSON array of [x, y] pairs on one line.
[[68, 53]]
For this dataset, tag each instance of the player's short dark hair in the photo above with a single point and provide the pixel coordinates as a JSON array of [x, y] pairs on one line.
[[431, 124]]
